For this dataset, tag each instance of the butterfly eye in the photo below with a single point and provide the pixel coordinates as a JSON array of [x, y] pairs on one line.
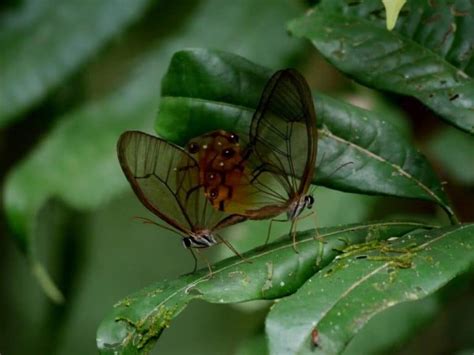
[[187, 242], [233, 138], [228, 153], [193, 147], [309, 201]]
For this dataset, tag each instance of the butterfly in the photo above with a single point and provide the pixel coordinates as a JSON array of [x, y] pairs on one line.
[[165, 178], [272, 174]]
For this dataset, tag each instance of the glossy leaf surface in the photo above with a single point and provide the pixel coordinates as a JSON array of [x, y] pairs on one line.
[[137, 321], [429, 55], [341, 298], [205, 90]]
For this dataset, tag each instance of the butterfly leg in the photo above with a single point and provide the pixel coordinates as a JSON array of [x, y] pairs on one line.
[[270, 231], [195, 263], [319, 240], [211, 273], [316, 236], [195, 260], [195, 257], [231, 247], [293, 228], [293, 234]]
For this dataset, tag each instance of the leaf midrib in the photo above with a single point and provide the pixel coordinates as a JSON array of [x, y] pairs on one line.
[[399, 36], [328, 133], [216, 102], [290, 245], [380, 268], [393, 165]]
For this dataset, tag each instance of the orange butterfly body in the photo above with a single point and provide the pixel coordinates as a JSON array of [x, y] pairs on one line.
[[273, 172], [166, 180], [221, 162]]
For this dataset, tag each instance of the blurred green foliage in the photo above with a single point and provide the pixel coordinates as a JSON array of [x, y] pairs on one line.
[[75, 74]]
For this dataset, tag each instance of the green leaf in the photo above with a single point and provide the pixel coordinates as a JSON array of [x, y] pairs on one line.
[[341, 298], [427, 56], [453, 149], [388, 111], [387, 331], [256, 345], [137, 321], [76, 162], [43, 42], [205, 90]]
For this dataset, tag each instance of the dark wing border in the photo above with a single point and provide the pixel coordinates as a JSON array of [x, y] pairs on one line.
[[121, 146], [124, 138], [310, 120]]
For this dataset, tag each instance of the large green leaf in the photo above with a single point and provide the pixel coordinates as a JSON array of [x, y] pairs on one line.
[[205, 90], [340, 299], [77, 161], [429, 55], [137, 321], [44, 41]]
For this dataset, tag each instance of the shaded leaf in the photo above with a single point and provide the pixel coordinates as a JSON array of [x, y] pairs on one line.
[[387, 331], [427, 56], [77, 161], [341, 298], [453, 149], [256, 345], [205, 90], [43, 42], [373, 100], [137, 321]]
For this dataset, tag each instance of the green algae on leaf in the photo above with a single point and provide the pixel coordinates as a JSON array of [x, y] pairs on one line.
[[274, 272], [364, 283]]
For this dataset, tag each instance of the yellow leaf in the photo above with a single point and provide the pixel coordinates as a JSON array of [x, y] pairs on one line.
[[393, 7]]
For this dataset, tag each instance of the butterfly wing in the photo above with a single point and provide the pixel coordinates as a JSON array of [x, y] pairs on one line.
[[282, 148], [166, 180], [283, 131]]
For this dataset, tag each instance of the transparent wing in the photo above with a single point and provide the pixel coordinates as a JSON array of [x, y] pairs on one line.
[[166, 180], [283, 131], [282, 148]]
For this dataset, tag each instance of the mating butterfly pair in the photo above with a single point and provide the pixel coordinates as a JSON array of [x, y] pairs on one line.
[[218, 181]]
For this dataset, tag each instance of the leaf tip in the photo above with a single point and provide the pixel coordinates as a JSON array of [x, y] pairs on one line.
[[47, 284], [392, 8]]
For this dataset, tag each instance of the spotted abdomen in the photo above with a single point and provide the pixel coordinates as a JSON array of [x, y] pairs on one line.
[[221, 165]]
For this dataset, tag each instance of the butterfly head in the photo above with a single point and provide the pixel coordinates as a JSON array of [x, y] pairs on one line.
[[309, 201], [299, 205], [202, 239]]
